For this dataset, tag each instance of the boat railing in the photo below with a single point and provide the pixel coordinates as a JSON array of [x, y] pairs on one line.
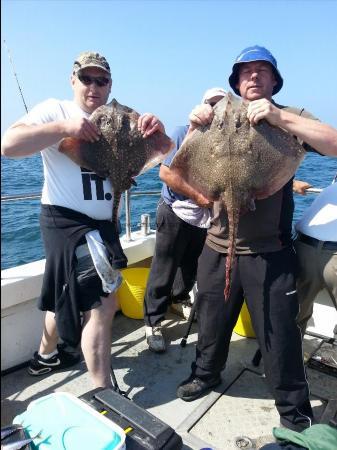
[[314, 190], [127, 202]]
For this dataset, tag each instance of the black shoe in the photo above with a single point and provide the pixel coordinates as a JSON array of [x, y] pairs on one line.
[[298, 424], [62, 360], [194, 387]]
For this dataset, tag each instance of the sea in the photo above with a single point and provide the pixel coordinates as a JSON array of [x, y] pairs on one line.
[[20, 233]]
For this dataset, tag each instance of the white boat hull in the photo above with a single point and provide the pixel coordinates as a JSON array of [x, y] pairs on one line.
[[21, 321]]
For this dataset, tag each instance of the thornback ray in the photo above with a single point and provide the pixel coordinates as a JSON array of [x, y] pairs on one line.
[[234, 162], [121, 153]]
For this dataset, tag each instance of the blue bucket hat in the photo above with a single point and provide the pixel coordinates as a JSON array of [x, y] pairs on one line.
[[255, 53]]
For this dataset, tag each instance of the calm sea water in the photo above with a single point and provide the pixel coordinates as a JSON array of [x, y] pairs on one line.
[[20, 234]]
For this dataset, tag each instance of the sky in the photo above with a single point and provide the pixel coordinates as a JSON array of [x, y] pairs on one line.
[[164, 54]]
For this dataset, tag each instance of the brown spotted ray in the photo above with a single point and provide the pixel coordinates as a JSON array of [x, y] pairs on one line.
[[236, 163], [121, 152]]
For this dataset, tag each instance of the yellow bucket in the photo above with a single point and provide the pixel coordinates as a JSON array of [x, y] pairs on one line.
[[243, 325], [130, 295]]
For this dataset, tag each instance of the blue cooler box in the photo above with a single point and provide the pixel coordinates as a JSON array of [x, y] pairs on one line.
[[63, 422]]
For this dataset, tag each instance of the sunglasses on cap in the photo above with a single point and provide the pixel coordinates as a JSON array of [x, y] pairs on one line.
[[87, 80]]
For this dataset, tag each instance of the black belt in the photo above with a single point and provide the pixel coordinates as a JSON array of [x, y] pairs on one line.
[[327, 245]]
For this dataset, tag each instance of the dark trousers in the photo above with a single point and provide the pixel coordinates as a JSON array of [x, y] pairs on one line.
[[267, 282], [174, 264]]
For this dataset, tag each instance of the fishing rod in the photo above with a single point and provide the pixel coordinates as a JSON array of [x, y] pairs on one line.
[[17, 80]]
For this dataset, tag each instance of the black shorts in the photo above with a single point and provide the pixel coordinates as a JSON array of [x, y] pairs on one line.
[[89, 282]]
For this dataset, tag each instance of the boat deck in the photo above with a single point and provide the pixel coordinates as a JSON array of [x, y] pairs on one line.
[[240, 407]]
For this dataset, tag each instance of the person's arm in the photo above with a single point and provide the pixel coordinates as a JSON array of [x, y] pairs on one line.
[[24, 140], [177, 184], [319, 136], [200, 115], [300, 187]]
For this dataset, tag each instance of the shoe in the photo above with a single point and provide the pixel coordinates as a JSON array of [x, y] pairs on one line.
[[194, 387], [62, 360], [155, 339], [298, 424]]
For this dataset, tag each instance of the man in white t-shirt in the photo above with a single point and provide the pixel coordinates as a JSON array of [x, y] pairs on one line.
[[74, 201], [316, 249]]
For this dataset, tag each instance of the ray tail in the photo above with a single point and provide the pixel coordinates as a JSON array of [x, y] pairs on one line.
[[233, 212]]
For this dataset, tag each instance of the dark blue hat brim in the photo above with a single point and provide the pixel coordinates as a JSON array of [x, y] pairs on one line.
[[233, 79]]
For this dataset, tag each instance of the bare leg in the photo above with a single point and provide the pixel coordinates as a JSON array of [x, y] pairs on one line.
[[49, 336], [96, 341]]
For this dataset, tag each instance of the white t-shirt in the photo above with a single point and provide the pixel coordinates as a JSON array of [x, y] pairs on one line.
[[65, 183], [320, 219]]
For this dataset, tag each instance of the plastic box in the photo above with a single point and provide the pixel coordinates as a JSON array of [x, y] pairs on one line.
[[64, 422]]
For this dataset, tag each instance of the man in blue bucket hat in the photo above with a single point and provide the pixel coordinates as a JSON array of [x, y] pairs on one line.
[[252, 54], [264, 272]]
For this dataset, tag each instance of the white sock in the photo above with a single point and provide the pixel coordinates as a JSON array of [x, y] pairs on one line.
[[48, 355]]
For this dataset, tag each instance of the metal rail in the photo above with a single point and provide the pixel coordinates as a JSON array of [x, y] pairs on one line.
[[314, 190], [12, 198], [127, 200], [37, 195]]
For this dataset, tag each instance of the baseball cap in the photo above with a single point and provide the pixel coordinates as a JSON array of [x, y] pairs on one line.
[[211, 93], [255, 53], [91, 59]]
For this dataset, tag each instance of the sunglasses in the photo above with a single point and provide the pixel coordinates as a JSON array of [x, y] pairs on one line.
[[87, 80]]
